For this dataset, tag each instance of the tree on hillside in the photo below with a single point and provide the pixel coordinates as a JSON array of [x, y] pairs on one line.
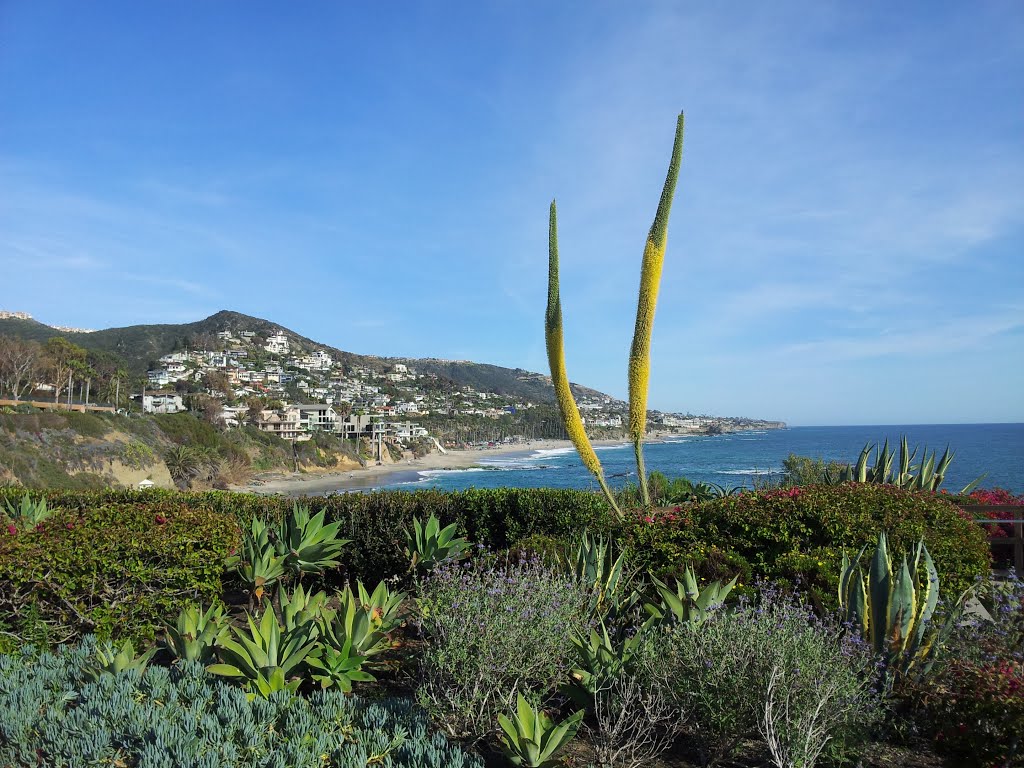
[[217, 381], [184, 464], [209, 409], [20, 362], [63, 358]]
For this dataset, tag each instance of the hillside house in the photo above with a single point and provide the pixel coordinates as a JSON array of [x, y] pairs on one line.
[[284, 424], [314, 417], [160, 402], [159, 378], [277, 344]]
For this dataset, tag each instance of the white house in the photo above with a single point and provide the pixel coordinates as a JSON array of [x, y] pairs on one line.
[[277, 344], [160, 402], [159, 378]]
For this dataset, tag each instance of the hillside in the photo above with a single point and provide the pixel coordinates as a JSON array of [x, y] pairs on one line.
[[90, 450], [140, 345]]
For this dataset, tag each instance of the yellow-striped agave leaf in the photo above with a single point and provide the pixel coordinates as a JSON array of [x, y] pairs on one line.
[[556, 361], [650, 280]]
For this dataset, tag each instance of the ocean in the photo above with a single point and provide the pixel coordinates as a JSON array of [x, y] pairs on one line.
[[744, 458]]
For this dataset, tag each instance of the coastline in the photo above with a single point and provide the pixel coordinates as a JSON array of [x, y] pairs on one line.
[[379, 475]]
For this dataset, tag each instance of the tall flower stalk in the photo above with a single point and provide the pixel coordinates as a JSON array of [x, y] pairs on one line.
[[556, 361], [640, 352], [650, 280]]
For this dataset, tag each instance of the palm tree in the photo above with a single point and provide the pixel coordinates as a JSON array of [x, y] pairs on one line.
[[184, 464]]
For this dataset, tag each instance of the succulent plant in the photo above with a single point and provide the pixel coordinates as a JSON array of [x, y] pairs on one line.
[[428, 544], [339, 667], [928, 475], [28, 514], [530, 738], [184, 716], [594, 564], [257, 564], [109, 659], [601, 659], [688, 603], [363, 621], [265, 648], [195, 634], [893, 611], [306, 544]]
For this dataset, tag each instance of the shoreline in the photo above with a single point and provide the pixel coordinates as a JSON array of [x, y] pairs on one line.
[[375, 476]]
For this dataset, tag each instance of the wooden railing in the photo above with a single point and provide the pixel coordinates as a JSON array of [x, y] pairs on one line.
[[50, 405], [1015, 540]]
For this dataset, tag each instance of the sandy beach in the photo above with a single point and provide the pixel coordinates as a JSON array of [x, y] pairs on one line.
[[377, 475]]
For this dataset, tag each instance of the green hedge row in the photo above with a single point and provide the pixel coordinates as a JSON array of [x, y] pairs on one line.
[[109, 567], [119, 570], [800, 534]]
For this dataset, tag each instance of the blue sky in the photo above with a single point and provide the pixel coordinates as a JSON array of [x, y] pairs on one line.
[[846, 246]]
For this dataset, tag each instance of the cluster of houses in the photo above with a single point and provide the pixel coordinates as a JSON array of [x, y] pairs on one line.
[[344, 400]]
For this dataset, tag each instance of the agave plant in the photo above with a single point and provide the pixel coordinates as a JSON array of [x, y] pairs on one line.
[[363, 621], [594, 564], [266, 649], [264, 685], [428, 544], [530, 738], [306, 544], [28, 513], [893, 611], [688, 603], [338, 667], [928, 475], [195, 634], [601, 659], [299, 607], [639, 355], [257, 564], [110, 659]]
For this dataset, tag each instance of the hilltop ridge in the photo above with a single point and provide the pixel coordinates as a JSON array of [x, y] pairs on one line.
[[141, 346]]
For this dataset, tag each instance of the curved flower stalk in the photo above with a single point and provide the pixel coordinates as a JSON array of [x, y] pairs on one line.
[[650, 279], [556, 361]]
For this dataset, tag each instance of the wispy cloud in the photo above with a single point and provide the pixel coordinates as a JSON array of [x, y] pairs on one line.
[[941, 339]]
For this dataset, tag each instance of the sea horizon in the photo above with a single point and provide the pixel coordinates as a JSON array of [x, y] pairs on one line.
[[745, 458]]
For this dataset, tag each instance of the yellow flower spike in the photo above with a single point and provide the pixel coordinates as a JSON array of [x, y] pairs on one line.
[[556, 361], [650, 278]]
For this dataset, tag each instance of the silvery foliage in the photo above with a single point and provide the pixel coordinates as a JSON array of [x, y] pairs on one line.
[[185, 718], [770, 670], [493, 630]]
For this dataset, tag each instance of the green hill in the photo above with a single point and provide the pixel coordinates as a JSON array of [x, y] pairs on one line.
[[141, 345]]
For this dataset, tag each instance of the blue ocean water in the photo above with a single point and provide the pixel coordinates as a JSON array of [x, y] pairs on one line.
[[741, 458]]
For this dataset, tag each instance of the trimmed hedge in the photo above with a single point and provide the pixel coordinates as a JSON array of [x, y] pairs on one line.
[[109, 567], [375, 521], [801, 533]]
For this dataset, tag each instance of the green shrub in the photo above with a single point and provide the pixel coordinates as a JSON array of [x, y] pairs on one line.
[[801, 533], [795, 534], [187, 429], [137, 455], [184, 717], [87, 424], [113, 568]]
